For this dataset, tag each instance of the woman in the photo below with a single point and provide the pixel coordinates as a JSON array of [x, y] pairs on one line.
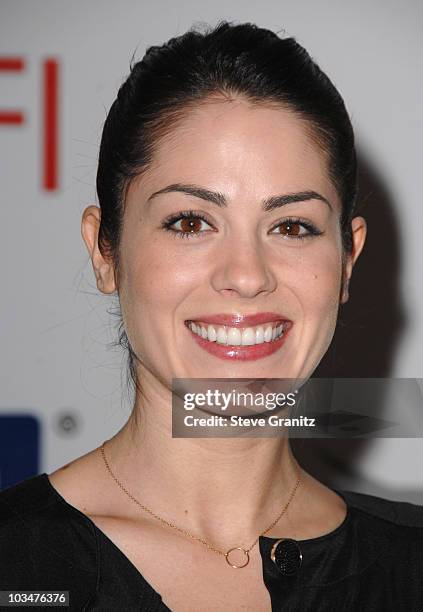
[[227, 191]]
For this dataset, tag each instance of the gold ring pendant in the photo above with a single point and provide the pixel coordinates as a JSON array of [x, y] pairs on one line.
[[245, 555]]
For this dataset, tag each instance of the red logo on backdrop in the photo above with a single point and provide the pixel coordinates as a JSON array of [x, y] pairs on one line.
[[16, 117]]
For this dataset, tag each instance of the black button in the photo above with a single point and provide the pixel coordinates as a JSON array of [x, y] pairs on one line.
[[286, 555]]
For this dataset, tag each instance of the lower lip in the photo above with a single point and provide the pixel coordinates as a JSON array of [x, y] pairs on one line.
[[241, 353]]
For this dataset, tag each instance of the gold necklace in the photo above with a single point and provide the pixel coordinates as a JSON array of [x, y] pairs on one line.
[[245, 551]]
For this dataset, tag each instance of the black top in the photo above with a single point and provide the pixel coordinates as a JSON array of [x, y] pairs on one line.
[[372, 562]]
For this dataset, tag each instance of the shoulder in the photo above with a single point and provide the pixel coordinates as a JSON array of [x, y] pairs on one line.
[[43, 542], [396, 513], [389, 530], [387, 541], [34, 502]]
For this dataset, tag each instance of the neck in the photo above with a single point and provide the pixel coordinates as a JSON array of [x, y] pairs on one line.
[[220, 488]]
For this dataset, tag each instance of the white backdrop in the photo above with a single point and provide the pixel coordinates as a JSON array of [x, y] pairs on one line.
[[55, 326]]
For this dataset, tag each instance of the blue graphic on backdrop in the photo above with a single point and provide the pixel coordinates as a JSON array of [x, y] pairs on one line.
[[19, 448]]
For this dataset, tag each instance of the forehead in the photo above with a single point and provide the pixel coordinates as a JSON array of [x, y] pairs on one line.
[[242, 150]]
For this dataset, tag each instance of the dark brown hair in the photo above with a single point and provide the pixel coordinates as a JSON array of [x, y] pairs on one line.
[[227, 60]]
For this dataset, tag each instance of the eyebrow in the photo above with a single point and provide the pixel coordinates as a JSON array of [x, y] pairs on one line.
[[219, 199]]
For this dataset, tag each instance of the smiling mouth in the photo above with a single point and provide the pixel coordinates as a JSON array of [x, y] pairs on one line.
[[240, 336]]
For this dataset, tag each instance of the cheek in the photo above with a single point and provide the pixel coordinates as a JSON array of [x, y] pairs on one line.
[[317, 291], [158, 277], [318, 286]]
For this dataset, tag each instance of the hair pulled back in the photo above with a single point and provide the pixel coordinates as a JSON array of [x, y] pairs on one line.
[[228, 61]]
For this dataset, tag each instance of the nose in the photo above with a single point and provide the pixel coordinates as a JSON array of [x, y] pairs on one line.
[[241, 268]]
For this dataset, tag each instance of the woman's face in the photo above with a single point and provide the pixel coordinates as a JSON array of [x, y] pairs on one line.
[[283, 264]]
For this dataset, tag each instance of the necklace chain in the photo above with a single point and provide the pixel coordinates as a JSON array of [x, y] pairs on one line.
[[190, 535]]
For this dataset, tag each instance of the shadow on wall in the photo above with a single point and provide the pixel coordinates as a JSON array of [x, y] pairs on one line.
[[368, 331], [371, 322]]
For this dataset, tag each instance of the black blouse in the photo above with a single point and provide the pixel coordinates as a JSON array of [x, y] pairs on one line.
[[372, 562]]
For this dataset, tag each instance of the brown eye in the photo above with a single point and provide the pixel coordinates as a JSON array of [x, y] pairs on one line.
[[186, 225], [190, 224], [296, 229], [290, 228]]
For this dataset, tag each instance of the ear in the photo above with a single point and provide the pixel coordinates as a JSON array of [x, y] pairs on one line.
[[359, 231], [103, 268]]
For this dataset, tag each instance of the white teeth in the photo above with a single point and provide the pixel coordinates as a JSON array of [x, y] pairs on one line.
[[259, 335], [268, 333], [211, 333], [248, 336], [221, 336], [235, 336]]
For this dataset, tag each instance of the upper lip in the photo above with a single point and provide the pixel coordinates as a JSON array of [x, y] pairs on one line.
[[239, 320]]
